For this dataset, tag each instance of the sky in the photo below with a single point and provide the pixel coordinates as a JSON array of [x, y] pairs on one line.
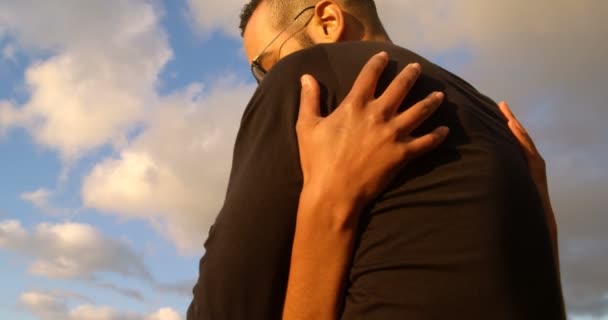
[[118, 118]]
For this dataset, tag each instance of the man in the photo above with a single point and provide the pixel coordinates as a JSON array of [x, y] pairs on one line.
[[458, 234]]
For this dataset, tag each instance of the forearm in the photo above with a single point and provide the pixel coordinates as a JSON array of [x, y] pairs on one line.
[[322, 250]]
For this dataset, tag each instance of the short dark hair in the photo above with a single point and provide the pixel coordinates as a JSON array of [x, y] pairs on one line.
[[284, 10], [246, 14]]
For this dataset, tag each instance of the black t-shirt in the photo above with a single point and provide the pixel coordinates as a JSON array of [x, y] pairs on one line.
[[459, 234]]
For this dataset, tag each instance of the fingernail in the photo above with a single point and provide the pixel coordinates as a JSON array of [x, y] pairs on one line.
[[439, 96], [415, 66], [305, 80], [443, 131], [383, 55]]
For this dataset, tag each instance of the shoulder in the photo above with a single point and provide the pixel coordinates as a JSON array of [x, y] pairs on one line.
[[335, 57], [279, 93], [329, 55], [335, 66], [285, 75], [331, 64]]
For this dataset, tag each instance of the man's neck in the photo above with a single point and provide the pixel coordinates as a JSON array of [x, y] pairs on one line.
[[377, 38]]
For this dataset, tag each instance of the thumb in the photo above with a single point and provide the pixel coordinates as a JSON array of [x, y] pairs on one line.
[[310, 99]]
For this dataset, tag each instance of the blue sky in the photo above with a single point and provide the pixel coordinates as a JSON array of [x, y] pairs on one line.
[[117, 120]]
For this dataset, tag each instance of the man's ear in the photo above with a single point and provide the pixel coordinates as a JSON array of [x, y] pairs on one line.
[[328, 24]]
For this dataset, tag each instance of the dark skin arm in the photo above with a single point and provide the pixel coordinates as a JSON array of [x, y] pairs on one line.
[[347, 159], [336, 153]]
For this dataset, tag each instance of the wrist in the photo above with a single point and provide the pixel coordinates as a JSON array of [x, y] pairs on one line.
[[337, 208]]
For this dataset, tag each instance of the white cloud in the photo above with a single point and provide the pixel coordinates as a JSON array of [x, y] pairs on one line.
[[96, 86], [164, 314], [546, 57], [105, 58], [49, 306], [41, 200], [211, 16], [90, 312], [44, 305], [11, 232], [578, 188], [175, 173], [38, 197], [71, 251], [9, 116]]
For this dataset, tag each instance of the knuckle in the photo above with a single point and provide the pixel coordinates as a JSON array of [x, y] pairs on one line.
[[422, 110], [436, 138], [408, 77], [375, 117], [407, 81], [352, 101], [390, 133], [377, 68], [355, 103], [425, 108], [374, 65], [433, 100], [405, 123]]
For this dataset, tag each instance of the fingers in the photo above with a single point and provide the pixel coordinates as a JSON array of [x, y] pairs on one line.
[[427, 143], [506, 111], [393, 96], [410, 119], [518, 130], [504, 107], [365, 85], [309, 100], [524, 140]]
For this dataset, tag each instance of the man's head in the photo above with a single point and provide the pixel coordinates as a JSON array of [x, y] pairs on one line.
[[327, 21]]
